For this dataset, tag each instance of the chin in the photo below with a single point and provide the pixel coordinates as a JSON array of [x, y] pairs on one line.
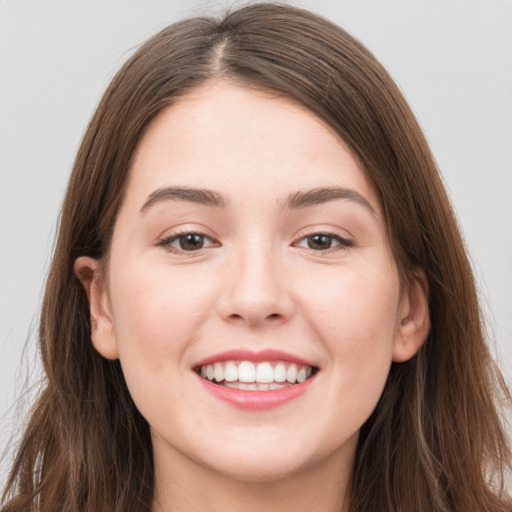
[[269, 461], [257, 469]]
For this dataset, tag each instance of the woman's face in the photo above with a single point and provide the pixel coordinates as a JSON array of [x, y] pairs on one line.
[[250, 246]]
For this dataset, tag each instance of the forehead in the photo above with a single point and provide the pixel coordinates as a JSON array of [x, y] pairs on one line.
[[222, 136]]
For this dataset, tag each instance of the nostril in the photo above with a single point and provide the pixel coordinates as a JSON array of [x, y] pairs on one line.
[[237, 316]]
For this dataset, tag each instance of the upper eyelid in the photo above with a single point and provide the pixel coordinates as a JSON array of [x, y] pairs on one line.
[[167, 241], [343, 241], [169, 234], [163, 240], [326, 232], [179, 234]]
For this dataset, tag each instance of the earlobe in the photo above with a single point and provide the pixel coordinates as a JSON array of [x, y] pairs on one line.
[[103, 337], [414, 318]]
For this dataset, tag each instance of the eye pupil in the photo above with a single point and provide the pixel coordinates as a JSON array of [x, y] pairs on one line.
[[319, 242], [191, 241]]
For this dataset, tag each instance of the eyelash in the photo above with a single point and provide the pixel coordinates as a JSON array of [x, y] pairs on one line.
[[344, 244], [167, 242]]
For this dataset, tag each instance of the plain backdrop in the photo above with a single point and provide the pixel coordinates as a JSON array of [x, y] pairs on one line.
[[451, 58]]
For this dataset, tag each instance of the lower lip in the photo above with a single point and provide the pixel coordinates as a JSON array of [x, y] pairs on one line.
[[256, 399]]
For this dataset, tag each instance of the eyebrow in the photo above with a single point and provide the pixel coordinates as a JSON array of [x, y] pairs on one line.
[[316, 196], [297, 200], [193, 195]]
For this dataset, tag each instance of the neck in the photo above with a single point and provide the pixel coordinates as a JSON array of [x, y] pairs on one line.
[[185, 485]]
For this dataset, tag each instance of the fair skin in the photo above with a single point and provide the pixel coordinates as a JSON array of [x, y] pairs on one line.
[[259, 270]]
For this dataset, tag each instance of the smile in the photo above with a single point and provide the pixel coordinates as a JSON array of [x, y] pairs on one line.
[[255, 380], [255, 376]]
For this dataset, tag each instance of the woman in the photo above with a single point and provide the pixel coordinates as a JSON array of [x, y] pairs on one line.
[[259, 298]]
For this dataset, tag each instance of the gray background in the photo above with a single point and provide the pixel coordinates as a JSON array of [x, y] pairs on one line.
[[452, 59]]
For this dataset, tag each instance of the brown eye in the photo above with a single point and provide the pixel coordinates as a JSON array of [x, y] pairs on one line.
[[324, 242], [319, 242], [190, 242], [187, 242]]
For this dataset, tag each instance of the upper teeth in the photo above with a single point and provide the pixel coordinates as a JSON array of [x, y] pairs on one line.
[[249, 372]]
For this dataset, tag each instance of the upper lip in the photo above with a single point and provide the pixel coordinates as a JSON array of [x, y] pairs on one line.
[[249, 355]]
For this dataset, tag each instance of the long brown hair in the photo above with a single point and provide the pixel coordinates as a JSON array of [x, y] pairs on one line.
[[434, 442]]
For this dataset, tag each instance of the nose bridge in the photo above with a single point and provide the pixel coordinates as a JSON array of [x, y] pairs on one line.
[[256, 290]]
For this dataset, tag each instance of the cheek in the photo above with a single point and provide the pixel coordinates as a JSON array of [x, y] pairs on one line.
[[357, 306], [355, 318], [158, 315], [157, 312]]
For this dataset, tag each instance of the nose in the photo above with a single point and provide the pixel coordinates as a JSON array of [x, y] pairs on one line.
[[256, 291]]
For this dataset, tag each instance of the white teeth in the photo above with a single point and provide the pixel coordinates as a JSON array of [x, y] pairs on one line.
[[301, 375], [231, 372], [291, 373], [280, 372], [263, 376], [246, 372], [259, 387], [219, 372], [264, 373]]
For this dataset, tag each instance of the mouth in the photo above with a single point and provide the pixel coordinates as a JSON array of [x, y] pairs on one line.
[[250, 375]]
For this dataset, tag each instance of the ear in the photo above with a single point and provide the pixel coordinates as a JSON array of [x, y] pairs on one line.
[[103, 335], [414, 318]]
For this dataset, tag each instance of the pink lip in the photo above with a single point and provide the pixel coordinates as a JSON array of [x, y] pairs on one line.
[[248, 355], [256, 399]]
